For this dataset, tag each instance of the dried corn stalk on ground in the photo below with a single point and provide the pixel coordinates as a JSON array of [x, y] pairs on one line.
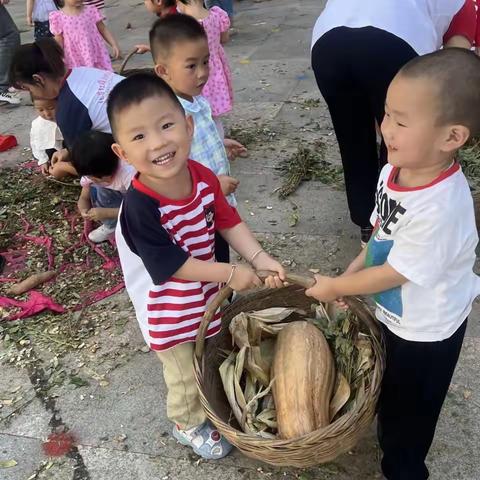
[[245, 372], [469, 158]]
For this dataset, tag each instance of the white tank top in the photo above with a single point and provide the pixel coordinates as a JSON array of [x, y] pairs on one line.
[[420, 23]]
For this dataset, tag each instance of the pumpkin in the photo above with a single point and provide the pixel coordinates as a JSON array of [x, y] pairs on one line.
[[304, 373]]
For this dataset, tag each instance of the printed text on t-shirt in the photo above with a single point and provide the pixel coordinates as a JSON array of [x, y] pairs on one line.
[[389, 210]]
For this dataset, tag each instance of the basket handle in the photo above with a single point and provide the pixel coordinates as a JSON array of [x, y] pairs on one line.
[[127, 58], [225, 292]]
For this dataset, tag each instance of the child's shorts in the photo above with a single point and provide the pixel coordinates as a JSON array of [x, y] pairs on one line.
[[41, 30]]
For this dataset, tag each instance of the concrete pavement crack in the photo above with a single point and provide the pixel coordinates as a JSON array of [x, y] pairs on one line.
[[40, 383]]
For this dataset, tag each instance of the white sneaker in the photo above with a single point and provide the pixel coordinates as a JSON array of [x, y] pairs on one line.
[[100, 234], [8, 97]]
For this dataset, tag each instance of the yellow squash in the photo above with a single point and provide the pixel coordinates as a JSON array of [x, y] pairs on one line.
[[304, 372]]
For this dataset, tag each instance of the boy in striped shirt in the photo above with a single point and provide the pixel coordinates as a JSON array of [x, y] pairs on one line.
[[165, 238]]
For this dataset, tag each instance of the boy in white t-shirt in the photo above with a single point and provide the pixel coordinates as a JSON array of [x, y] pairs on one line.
[[104, 179], [418, 264]]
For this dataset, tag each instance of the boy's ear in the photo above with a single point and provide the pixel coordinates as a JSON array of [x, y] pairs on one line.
[[457, 136], [119, 152], [161, 71]]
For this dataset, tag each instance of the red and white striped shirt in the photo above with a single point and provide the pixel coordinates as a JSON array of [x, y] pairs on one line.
[[155, 237]]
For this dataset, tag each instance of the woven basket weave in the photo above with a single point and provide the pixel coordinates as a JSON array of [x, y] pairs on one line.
[[317, 447]]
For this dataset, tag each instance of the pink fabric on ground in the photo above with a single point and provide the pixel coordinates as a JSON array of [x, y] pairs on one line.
[[36, 303]]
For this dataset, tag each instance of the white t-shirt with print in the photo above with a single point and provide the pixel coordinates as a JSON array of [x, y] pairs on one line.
[[420, 23], [120, 181], [428, 235]]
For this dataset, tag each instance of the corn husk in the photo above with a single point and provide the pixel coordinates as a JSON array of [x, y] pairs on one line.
[[227, 374], [341, 395], [248, 330], [246, 374]]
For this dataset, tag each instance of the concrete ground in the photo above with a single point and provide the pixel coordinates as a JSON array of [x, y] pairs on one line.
[[116, 410]]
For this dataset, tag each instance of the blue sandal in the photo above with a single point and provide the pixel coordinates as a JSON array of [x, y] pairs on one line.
[[205, 440]]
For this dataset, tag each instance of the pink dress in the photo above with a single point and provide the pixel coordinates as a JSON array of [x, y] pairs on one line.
[[82, 43], [218, 90]]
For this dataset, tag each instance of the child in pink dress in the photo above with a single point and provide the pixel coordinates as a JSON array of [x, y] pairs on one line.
[[80, 30], [218, 90]]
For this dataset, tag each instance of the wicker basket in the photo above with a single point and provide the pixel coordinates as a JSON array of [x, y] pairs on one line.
[[127, 72], [320, 446]]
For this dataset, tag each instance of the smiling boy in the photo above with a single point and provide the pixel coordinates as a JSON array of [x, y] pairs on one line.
[[165, 239], [418, 264]]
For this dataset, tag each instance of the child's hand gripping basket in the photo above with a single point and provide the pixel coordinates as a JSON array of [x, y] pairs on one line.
[[321, 445]]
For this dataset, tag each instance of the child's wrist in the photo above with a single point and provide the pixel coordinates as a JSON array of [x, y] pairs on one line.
[[337, 286], [233, 268], [255, 256]]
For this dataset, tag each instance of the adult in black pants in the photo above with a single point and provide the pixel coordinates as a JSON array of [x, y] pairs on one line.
[[357, 48]]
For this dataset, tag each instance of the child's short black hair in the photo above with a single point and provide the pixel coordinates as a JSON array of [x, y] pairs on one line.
[[455, 74], [92, 154], [133, 90], [168, 31]]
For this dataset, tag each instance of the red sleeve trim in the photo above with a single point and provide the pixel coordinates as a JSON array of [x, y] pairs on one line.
[[464, 23]]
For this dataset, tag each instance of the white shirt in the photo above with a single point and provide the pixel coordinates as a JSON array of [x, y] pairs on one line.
[[428, 235], [121, 179], [420, 23], [82, 102], [43, 136], [41, 9]]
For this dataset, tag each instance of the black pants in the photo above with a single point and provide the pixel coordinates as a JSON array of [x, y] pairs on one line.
[[41, 30], [222, 249], [414, 387], [353, 68]]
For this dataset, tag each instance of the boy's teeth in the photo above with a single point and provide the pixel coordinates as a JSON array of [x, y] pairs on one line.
[[163, 159]]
